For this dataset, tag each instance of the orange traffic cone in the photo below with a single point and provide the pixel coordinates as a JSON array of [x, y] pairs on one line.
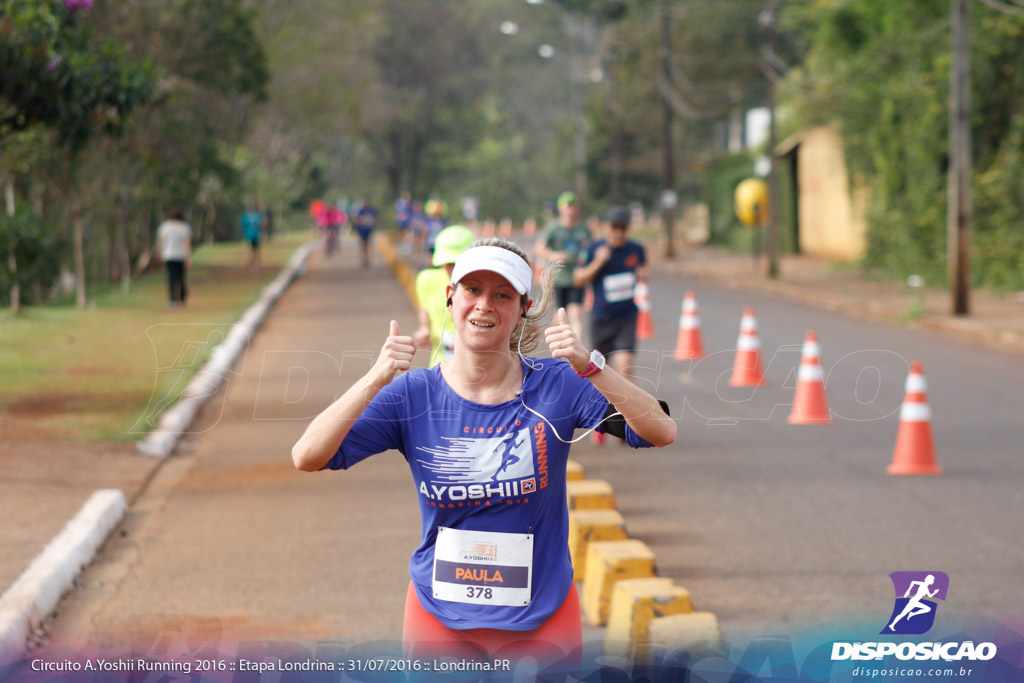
[[746, 371], [689, 344], [810, 405], [644, 324], [915, 452]]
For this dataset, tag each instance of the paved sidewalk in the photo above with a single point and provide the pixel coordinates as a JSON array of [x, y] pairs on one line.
[[996, 321]]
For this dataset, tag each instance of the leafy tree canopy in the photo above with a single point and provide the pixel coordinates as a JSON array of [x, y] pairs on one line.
[[56, 75]]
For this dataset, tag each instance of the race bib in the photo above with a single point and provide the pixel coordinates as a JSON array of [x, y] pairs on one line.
[[619, 287], [483, 567]]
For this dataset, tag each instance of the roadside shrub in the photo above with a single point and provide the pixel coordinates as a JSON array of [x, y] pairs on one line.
[[34, 250]]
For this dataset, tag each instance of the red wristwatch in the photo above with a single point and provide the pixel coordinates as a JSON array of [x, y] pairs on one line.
[[596, 364]]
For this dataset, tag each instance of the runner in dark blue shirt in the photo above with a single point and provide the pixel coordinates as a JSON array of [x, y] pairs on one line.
[[612, 267], [365, 222]]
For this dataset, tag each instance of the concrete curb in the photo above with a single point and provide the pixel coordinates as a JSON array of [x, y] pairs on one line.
[[160, 442], [35, 594]]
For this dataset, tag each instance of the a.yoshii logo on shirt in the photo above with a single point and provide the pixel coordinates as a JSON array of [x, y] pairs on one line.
[[479, 468]]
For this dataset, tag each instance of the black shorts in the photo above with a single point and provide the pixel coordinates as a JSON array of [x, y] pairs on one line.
[[568, 295], [609, 336]]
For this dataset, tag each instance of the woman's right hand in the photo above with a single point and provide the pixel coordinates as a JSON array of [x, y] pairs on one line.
[[395, 355], [564, 343]]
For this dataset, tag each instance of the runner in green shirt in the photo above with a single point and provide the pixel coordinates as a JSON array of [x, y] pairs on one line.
[[565, 241]]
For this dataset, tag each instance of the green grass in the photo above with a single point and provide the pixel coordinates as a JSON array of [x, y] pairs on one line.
[[105, 373], [915, 309]]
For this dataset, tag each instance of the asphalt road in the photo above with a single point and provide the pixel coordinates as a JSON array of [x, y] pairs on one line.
[[770, 526], [773, 526]]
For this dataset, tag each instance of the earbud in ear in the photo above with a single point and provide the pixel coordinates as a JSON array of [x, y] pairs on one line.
[[449, 303], [524, 313]]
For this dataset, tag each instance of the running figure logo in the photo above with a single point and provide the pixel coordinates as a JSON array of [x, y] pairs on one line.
[[914, 612], [508, 456], [468, 460]]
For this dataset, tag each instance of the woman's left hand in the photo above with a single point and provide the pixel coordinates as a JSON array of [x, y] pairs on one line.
[[564, 343]]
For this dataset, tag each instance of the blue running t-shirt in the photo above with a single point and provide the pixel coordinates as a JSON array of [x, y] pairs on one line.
[[485, 468]]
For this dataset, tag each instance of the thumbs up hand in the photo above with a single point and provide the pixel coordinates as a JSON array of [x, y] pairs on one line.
[[395, 355], [564, 343]]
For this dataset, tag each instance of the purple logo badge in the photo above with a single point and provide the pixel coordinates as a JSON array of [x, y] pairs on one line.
[[916, 593]]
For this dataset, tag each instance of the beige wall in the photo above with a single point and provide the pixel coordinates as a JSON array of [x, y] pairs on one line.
[[831, 221]]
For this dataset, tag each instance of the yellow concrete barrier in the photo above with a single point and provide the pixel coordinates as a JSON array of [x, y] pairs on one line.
[[404, 273], [635, 602], [592, 525], [607, 563], [697, 632], [590, 494], [574, 471]]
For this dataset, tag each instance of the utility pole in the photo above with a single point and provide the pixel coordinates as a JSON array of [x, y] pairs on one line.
[[668, 175], [772, 228], [958, 212]]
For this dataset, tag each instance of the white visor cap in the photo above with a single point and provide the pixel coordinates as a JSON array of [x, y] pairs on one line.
[[505, 263]]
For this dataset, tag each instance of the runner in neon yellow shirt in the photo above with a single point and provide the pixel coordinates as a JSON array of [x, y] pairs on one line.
[[430, 293]]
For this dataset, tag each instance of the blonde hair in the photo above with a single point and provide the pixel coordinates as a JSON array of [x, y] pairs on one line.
[[530, 327]]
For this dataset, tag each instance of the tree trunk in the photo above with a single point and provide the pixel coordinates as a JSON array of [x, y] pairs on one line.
[[123, 253], [394, 164], [12, 259], [106, 255], [209, 218], [415, 158], [78, 224]]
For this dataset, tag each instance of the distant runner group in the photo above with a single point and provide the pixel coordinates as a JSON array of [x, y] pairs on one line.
[[598, 273], [330, 219]]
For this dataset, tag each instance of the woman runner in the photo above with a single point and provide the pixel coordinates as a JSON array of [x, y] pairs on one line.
[[486, 436]]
